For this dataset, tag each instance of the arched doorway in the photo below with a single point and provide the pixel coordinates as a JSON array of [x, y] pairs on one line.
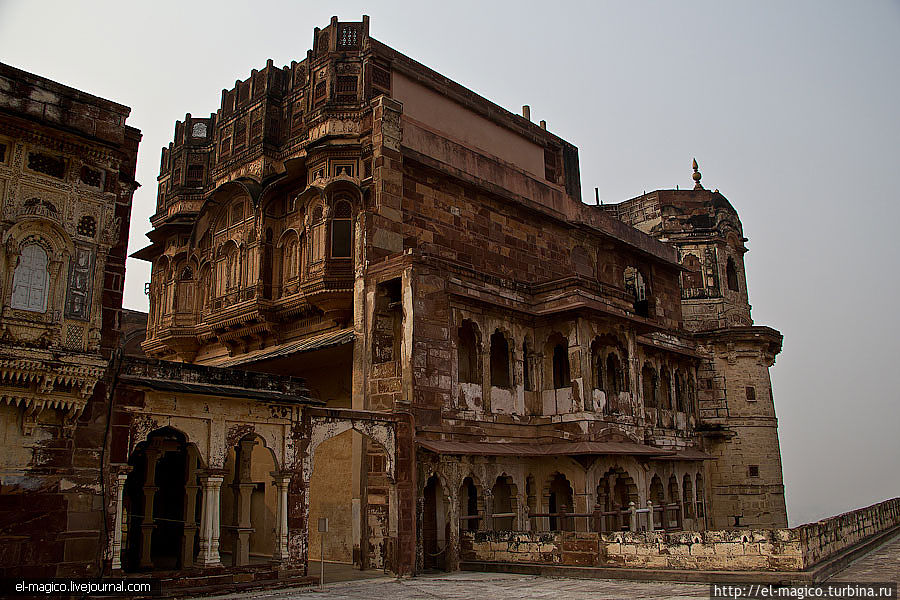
[[161, 505], [504, 495], [435, 525], [249, 503], [615, 493], [470, 515], [349, 485], [560, 500]]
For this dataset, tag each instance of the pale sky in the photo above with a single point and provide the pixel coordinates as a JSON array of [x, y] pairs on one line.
[[791, 109]]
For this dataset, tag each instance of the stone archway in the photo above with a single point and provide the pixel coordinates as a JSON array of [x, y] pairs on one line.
[[158, 506], [349, 465]]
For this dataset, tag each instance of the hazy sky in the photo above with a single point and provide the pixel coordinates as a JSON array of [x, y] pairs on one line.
[[791, 108]]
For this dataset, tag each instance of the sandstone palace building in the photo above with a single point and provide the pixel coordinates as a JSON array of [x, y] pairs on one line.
[[377, 298]]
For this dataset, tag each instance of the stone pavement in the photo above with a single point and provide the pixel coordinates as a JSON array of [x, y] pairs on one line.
[[487, 586], [881, 565]]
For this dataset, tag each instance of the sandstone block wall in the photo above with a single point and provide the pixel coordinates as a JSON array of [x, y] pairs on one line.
[[793, 549]]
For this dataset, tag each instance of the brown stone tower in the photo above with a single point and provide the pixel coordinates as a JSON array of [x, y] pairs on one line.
[[734, 389]]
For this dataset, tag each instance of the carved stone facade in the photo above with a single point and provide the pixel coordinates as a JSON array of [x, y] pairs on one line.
[[67, 163], [377, 298], [410, 249]]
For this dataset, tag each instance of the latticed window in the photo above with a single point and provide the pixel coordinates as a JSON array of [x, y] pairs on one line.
[[381, 77], [87, 226], [2, 152], [346, 83], [240, 134], [340, 231], [348, 37], [91, 177], [256, 130], [195, 174], [31, 280], [320, 91], [48, 165]]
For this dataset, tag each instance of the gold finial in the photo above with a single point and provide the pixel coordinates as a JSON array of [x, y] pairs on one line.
[[696, 176]]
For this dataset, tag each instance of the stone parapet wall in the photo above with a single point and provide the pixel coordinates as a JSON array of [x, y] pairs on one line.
[[793, 549], [825, 538]]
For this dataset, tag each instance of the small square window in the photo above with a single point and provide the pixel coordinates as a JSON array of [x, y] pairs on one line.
[[753, 470], [751, 394]]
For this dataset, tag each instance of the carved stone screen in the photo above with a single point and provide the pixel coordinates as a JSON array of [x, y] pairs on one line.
[[78, 302]]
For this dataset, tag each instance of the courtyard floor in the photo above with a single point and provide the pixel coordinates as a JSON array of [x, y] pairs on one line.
[[881, 565]]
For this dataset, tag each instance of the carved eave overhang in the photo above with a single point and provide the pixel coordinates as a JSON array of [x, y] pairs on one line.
[[214, 381], [574, 294], [670, 343], [769, 339], [714, 431], [37, 379]]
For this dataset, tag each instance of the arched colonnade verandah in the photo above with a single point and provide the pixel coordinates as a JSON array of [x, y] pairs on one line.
[[607, 493], [198, 493]]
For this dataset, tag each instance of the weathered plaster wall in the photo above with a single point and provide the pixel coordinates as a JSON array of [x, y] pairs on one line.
[[331, 495]]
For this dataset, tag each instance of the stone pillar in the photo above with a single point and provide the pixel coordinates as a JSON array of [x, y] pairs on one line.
[[147, 526], [243, 489], [190, 512], [632, 509], [453, 549], [582, 502], [487, 523], [282, 482], [117, 526], [211, 485]]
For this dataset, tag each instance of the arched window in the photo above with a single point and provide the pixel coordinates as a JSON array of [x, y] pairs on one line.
[[468, 500], [467, 354], [341, 238], [31, 281], [679, 390], [597, 364], [315, 241], [665, 384], [528, 381], [613, 374], [731, 275], [302, 256], [504, 502], [184, 291], [701, 496], [560, 501], [648, 380], [499, 361], [636, 286], [561, 375], [691, 277], [688, 497], [289, 260]]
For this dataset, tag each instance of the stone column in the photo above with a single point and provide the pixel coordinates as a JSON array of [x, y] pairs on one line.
[[243, 488], [147, 526], [117, 526], [453, 549], [190, 512], [487, 523], [282, 482], [211, 485], [582, 505]]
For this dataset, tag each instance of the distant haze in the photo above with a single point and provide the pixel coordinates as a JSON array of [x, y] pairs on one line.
[[791, 108]]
